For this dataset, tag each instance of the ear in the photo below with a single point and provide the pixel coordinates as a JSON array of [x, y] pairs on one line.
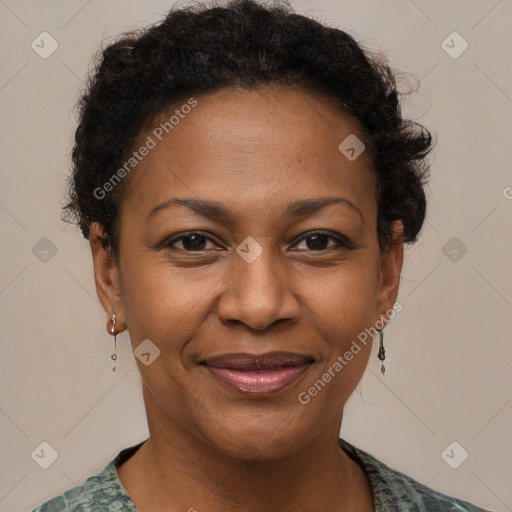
[[391, 262], [106, 277]]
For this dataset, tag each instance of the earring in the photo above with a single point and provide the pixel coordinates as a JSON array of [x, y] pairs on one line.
[[382, 352], [114, 333]]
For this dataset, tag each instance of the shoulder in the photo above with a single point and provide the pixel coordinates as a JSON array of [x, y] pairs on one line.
[[396, 491], [99, 492]]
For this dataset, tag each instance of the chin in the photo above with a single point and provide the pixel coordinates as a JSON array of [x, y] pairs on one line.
[[263, 444]]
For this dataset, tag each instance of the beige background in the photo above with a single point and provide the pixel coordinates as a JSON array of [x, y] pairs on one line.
[[449, 350]]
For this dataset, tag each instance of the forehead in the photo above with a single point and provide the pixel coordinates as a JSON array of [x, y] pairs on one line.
[[255, 147]]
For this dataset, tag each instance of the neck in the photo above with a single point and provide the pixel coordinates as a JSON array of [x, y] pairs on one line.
[[176, 468]]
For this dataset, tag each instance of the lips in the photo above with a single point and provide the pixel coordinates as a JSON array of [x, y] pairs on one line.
[[250, 362], [258, 374]]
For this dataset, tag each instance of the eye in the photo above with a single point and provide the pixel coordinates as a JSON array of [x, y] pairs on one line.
[[191, 242], [196, 241], [319, 240]]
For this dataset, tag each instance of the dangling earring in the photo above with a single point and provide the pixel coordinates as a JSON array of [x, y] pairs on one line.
[[382, 352], [114, 333]]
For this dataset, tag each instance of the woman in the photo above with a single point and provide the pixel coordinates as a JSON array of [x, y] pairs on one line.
[[246, 182]]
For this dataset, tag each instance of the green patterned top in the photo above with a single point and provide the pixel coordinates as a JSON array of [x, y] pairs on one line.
[[393, 491]]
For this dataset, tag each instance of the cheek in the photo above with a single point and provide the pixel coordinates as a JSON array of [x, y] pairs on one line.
[[166, 308], [345, 300], [164, 304], [342, 311], [342, 308]]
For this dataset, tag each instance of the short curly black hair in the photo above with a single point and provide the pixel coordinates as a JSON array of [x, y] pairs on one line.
[[243, 43]]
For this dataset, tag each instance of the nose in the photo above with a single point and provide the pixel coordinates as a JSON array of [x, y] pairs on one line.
[[258, 294]]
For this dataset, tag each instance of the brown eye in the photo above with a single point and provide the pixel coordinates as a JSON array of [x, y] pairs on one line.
[[195, 241], [319, 241]]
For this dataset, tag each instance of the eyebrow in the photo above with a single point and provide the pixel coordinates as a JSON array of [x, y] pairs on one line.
[[217, 211]]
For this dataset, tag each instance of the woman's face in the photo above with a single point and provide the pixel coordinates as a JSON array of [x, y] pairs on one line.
[[256, 279]]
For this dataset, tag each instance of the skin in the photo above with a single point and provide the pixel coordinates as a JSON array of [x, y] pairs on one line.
[[255, 152]]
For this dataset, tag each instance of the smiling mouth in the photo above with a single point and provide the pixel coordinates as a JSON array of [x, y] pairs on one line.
[[258, 374]]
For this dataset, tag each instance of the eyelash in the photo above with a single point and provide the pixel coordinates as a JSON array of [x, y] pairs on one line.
[[342, 242]]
